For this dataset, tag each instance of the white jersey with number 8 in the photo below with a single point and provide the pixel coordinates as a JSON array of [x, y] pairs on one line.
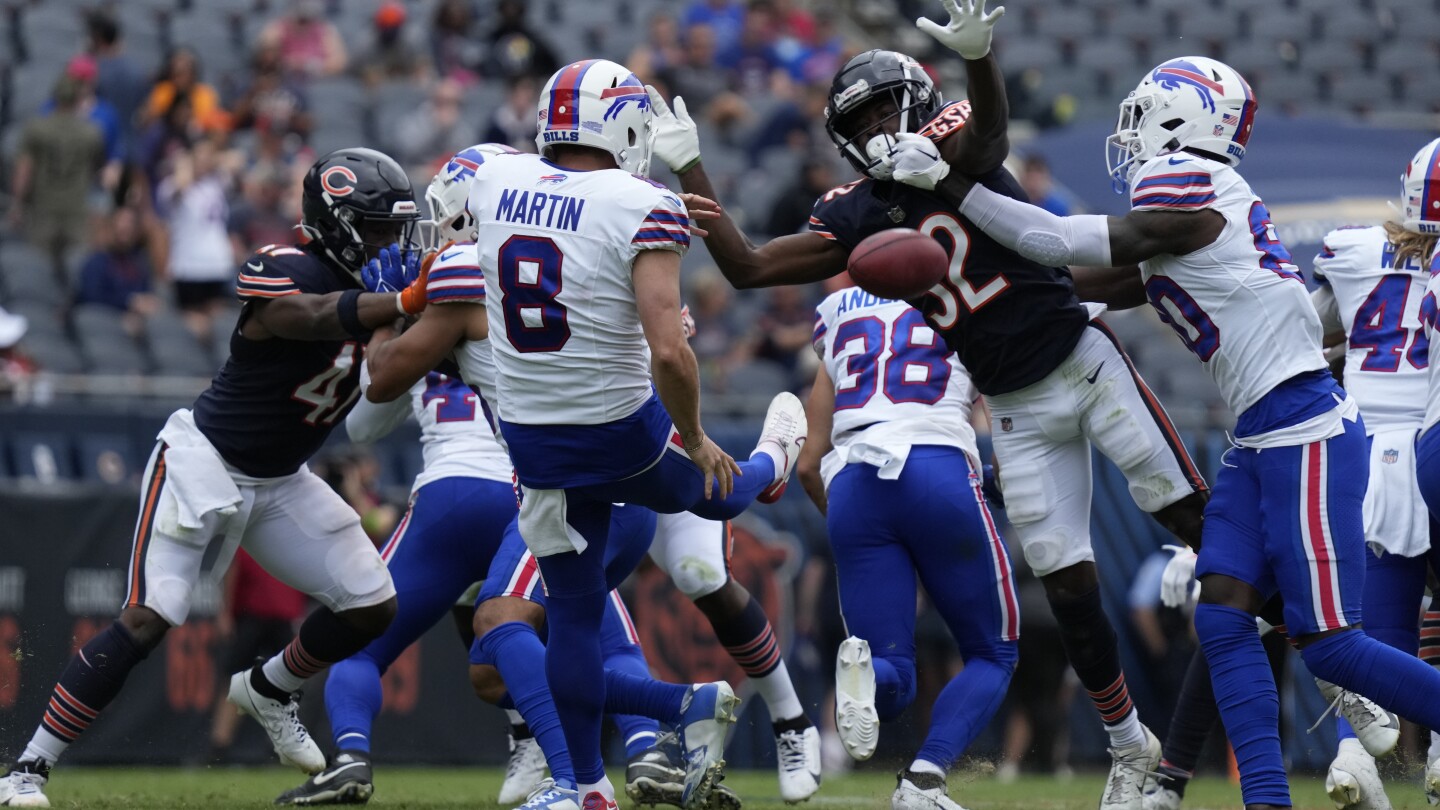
[[557, 247]]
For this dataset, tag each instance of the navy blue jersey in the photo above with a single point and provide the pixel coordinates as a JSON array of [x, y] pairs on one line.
[[1012, 321], [275, 401]]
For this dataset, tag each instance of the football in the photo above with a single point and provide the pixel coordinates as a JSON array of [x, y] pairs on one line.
[[900, 263]]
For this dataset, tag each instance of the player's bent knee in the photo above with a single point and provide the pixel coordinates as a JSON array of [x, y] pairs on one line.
[[698, 577], [1218, 589], [371, 619], [1070, 582], [487, 683], [891, 702], [1185, 518], [492, 613], [147, 627]]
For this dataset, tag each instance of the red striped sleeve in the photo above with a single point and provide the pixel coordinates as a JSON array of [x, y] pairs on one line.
[[667, 226], [257, 281]]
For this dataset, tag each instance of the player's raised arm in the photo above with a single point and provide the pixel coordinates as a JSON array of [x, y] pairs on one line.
[[796, 259], [982, 141]]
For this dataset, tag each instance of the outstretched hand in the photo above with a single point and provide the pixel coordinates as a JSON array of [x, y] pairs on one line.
[[916, 161], [970, 28], [391, 271], [698, 208], [673, 136]]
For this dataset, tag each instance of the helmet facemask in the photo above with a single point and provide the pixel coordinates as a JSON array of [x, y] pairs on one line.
[[866, 143]]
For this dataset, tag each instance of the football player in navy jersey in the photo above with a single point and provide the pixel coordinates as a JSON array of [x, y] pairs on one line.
[[1055, 378], [230, 472]]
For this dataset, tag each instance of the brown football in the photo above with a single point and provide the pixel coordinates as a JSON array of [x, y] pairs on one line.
[[900, 263]]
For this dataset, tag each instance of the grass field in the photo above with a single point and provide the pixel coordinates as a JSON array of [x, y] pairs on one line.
[[417, 788]]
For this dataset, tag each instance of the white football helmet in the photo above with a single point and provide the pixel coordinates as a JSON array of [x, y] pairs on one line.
[[1192, 102], [600, 104], [1420, 190], [449, 196]]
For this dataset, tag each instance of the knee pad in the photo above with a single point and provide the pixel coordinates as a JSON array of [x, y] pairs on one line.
[[697, 576]]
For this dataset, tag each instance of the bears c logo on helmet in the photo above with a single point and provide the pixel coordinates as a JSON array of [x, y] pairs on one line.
[[337, 188]]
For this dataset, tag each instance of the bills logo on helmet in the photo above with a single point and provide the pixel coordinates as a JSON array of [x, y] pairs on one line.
[[337, 188], [624, 94], [1176, 72]]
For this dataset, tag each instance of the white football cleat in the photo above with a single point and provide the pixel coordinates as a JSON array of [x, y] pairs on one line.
[[1377, 729], [1130, 769], [1353, 783], [855, 717], [549, 796], [798, 756], [524, 771], [921, 791], [281, 721], [1432, 780], [782, 437], [1162, 799], [706, 715], [24, 785]]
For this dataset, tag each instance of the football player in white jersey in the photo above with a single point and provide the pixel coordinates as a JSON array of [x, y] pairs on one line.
[[900, 484], [1286, 515], [1372, 282], [582, 259], [1422, 198]]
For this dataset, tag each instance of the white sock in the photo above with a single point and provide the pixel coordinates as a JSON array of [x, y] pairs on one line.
[[776, 454], [44, 745], [514, 717], [1434, 745], [280, 675], [1127, 733], [926, 766], [779, 694]]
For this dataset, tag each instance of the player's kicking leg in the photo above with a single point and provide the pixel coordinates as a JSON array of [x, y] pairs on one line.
[[445, 541], [695, 553]]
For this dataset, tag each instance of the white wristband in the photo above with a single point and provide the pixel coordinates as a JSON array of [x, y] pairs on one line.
[[1037, 234], [400, 305]]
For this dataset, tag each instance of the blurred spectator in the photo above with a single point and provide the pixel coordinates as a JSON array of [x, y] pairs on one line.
[[309, 44], [117, 79], [1037, 724], [798, 125], [119, 274], [272, 101], [161, 141], [795, 20], [752, 60], [265, 214], [432, 130], [355, 474], [661, 49], [791, 212], [725, 18], [823, 53], [257, 618], [192, 202], [1035, 179], [703, 83], [513, 123], [452, 40], [785, 328], [60, 156], [719, 342], [181, 78], [102, 114], [14, 362], [392, 55], [515, 49]]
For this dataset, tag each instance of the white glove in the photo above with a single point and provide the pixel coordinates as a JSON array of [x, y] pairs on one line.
[[881, 149], [968, 33], [916, 161], [1178, 586], [673, 137]]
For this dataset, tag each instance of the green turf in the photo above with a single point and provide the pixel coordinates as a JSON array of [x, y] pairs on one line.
[[396, 787]]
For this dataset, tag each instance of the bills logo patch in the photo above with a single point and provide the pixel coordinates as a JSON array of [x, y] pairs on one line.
[[1390, 456], [1006, 425], [553, 179]]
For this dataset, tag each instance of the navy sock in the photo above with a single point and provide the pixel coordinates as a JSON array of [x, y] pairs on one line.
[[1401, 683], [353, 696], [515, 650], [965, 706], [574, 665], [90, 681], [1249, 703], [324, 639], [1094, 654], [627, 693], [1195, 714], [750, 640]]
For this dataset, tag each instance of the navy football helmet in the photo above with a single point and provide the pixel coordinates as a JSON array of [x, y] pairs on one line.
[[869, 79], [355, 202]]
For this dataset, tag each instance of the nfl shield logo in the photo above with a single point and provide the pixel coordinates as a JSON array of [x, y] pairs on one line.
[[1006, 425], [1390, 456]]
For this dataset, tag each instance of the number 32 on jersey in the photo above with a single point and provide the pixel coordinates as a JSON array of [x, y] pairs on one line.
[[955, 290]]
